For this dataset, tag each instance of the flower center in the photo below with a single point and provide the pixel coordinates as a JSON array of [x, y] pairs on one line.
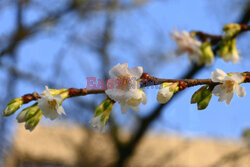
[[228, 86], [52, 104], [125, 82]]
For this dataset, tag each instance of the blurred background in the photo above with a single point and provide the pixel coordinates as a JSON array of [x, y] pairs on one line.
[[61, 42]]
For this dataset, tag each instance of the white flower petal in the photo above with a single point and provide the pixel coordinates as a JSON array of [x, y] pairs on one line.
[[51, 115], [119, 70], [116, 94], [50, 105], [60, 110], [134, 97], [135, 108], [124, 108], [217, 90], [136, 72], [237, 77], [229, 98], [133, 93], [96, 122], [222, 96], [46, 92], [240, 91], [218, 75]]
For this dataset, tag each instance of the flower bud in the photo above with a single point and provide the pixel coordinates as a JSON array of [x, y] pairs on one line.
[[231, 29], [27, 113], [102, 114], [33, 121], [166, 92], [207, 53], [13, 106], [228, 50]]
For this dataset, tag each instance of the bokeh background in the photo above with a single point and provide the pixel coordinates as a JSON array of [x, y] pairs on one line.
[[61, 42]]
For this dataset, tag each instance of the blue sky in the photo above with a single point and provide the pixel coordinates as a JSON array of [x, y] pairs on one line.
[[139, 27]]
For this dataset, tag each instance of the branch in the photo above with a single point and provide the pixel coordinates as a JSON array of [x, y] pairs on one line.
[[217, 38], [145, 82]]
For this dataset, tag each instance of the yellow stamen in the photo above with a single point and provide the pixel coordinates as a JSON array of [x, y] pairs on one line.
[[52, 104]]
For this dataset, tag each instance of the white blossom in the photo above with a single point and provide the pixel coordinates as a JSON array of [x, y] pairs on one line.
[[50, 105], [228, 83], [98, 123], [128, 93], [187, 44]]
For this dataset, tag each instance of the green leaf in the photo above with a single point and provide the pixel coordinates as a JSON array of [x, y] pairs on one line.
[[197, 95], [204, 103], [202, 97]]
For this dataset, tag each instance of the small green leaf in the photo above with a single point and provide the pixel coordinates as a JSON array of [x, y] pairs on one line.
[[204, 103], [202, 97], [197, 95]]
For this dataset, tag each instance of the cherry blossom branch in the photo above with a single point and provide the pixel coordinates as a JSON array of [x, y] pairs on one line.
[[146, 80], [73, 92]]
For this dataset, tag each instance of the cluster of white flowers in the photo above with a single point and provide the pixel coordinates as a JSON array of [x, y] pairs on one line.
[[187, 44], [229, 84], [51, 106], [128, 94]]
